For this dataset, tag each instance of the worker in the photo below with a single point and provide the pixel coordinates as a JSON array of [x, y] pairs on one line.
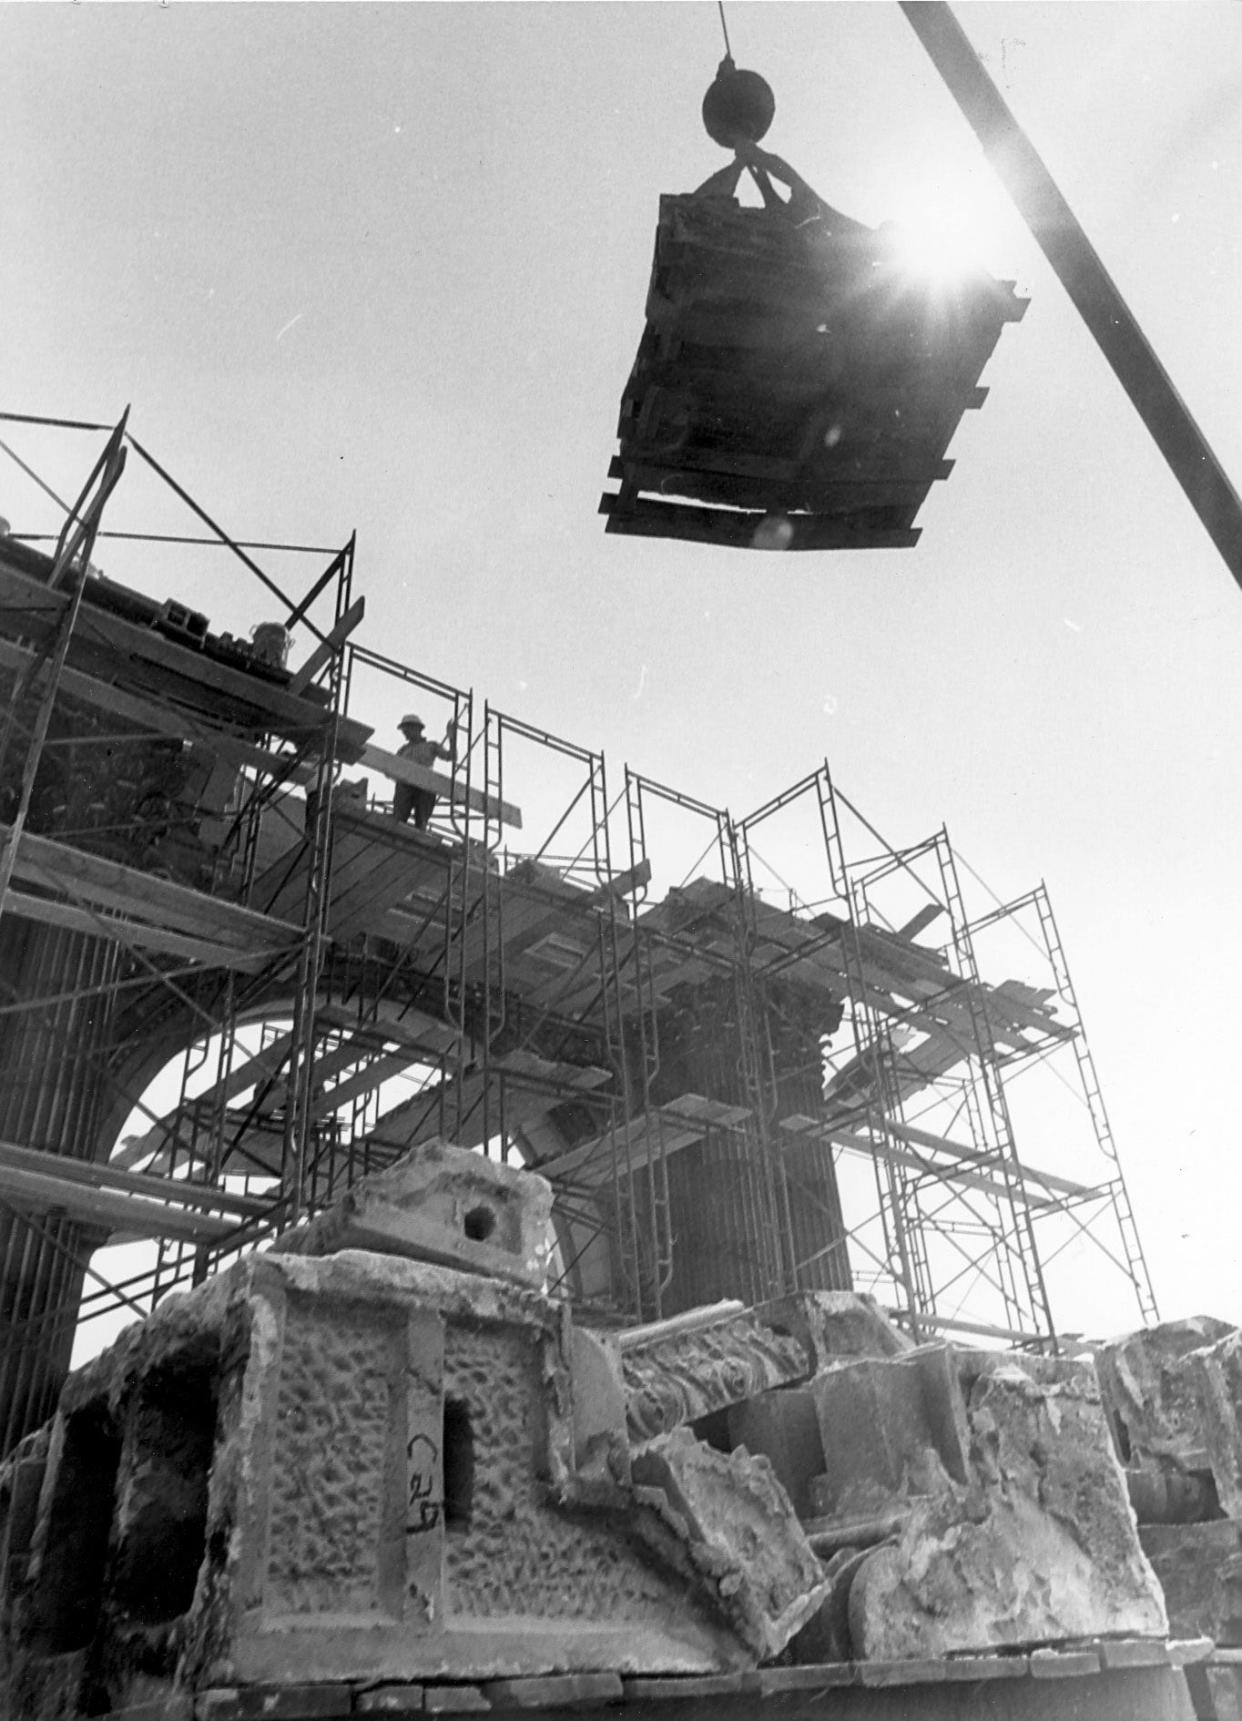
[[406, 799]]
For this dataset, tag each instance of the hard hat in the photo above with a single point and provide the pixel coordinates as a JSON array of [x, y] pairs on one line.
[[411, 722]]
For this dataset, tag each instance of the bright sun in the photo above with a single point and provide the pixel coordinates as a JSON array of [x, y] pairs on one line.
[[944, 230], [942, 251]]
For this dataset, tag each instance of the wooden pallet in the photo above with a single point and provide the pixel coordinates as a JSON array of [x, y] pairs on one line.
[[795, 387]]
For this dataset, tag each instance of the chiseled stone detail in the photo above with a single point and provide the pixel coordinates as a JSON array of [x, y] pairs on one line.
[[519, 1555], [350, 1468], [741, 1534], [333, 1430], [1038, 1546], [835, 1326], [677, 1376], [1151, 1394]]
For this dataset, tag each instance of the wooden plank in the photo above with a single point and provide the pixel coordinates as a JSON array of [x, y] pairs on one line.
[[949, 1174], [1063, 1664], [389, 1700], [163, 720], [693, 1686], [966, 1669], [568, 1691], [425, 1035], [422, 777], [810, 490], [100, 1176], [532, 1087], [112, 884], [263, 1066], [422, 1043], [1133, 1652], [454, 1700], [379, 1070], [136, 650], [924, 1138], [110, 1211], [133, 932], [358, 908], [328, 646], [876, 1674], [376, 863], [317, 1702], [651, 519], [634, 1143]]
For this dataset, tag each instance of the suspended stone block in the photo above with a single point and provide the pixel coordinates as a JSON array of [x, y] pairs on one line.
[[798, 381]]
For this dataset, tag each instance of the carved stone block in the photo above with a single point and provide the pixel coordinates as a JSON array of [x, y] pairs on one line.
[[681, 1370], [441, 1203], [1152, 1397], [1039, 1545], [741, 1532]]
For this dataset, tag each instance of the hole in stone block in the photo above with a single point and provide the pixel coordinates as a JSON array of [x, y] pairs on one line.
[[1122, 1434], [162, 1539], [479, 1224], [713, 1430], [69, 1590], [458, 1462]]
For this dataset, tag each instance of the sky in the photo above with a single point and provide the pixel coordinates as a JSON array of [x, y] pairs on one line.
[[383, 267]]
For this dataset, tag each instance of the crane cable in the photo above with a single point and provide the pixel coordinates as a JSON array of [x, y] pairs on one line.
[[725, 31]]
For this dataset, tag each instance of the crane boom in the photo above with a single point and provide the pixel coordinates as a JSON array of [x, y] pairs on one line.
[[1095, 294]]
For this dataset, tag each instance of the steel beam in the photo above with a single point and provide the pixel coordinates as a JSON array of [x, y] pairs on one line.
[[1081, 272]]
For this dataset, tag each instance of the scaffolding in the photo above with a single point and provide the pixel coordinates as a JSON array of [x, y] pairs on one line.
[[238, 978]]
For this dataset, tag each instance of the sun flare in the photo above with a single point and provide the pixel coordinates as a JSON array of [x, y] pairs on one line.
[[945, 230]]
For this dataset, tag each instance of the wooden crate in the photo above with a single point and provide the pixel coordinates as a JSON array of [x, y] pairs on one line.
[[796, 386]]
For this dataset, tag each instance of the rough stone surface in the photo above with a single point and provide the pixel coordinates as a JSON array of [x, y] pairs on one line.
[[1151, 1397], [1200, 1571], [441, 1203], [783, 1427], [832, 1326], [1038, 1546], [742, 1532], [826, 1635], [353, 1467], [601, 1440], [889, 1429], [1215, 1373], [678, 1373]]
